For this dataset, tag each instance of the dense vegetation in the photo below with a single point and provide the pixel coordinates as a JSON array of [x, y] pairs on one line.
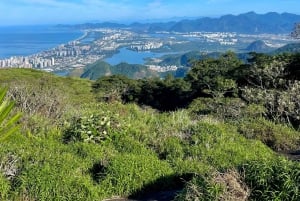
[[216, 134], [101, 68], [184, 61]]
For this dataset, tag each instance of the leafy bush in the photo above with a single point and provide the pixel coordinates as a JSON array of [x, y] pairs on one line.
[[212, 78], [111, 88], [94, 128], [165, 95], [280, 105], [38, 98], [222, 108], [277, 136]]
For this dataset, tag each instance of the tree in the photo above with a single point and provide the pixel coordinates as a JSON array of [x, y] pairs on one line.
[[263, 71], [163, 94], [7, 121], [212, 77], [111, 88]]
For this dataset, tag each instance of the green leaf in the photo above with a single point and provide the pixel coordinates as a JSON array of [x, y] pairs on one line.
[[7, 122], [2, 94], [5, 109]]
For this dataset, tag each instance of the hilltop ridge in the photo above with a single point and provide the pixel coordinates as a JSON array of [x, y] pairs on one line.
[[248, 23]]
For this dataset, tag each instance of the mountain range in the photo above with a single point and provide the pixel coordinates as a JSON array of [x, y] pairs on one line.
[[247, 23]]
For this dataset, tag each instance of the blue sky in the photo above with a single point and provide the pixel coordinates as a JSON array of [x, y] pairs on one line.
[[24, 12]]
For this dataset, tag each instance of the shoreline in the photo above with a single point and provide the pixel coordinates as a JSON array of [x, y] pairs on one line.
[[82, 33]]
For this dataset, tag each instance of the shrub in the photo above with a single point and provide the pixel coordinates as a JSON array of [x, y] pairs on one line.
[[165, 95], [38, 98], [212, 77], [281, 105], [227, 109], [277, 136], [94, 128], [111, 88], [222, 108]]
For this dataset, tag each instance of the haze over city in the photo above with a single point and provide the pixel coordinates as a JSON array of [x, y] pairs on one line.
[[33, 12]]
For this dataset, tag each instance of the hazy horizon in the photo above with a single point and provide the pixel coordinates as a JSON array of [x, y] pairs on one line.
[[36, 12]]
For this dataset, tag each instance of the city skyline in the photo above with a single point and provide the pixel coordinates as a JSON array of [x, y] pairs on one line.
[[36, 12]]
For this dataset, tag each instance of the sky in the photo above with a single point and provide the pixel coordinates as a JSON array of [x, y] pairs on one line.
[[33, 12]]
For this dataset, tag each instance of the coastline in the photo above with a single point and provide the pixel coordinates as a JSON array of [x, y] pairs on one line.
[[14, 44]]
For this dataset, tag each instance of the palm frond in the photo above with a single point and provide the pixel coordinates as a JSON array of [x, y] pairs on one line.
[[7, 121]]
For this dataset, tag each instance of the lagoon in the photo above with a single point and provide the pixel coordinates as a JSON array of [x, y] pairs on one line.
[[131, 57]]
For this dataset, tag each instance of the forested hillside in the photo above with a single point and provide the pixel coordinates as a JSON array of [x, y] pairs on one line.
[[227, 130], [101, 68]]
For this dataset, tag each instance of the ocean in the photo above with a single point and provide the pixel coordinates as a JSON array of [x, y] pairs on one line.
[[28, 40]]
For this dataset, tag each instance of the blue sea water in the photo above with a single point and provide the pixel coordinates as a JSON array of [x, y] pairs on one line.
[[28, 40]]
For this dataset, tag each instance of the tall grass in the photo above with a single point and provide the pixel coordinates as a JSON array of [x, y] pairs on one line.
[[142, 151]]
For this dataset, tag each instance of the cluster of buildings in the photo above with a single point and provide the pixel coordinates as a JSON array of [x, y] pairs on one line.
[[79, 53], [71, 49], [104, 42], [146, 46], [15, 62], [55, 59], [162, 68], [223, 38], [27, 62]]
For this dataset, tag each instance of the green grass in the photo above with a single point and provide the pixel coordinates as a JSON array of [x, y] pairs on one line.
[[279, 137], [273, 179], [143, 150], [128, 173], [74, 88]]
